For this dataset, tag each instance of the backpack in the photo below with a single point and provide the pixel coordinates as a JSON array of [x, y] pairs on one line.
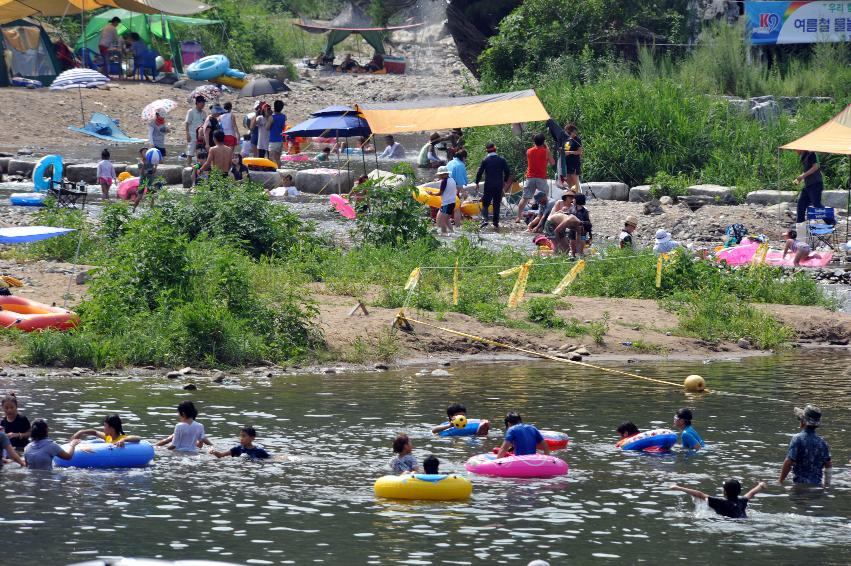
[[736, 232]]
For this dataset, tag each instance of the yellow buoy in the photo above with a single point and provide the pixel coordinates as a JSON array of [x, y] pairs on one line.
[[694, 383]]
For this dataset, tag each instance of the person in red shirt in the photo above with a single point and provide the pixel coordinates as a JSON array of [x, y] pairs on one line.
[[538, 158]]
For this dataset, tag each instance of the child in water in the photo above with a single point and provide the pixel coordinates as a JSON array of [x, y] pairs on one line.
[[404, 462], [106, 173], [113, 432], [627, 429], [40, 452], [523, 439], [431, 465], [731, 505], [15, 425], [188, 434], [690, 439], [246, 445], [451, 411]]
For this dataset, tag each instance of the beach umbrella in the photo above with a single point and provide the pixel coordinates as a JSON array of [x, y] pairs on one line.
[[210, 92], [342, 206], [260, 87], [79, 79], [161, 106]]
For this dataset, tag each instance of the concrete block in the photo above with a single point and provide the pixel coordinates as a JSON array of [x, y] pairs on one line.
[[835, 199], [769, 197], [269, 179], [641, 193], [607, 190], [86, 172], [291, 172], [21, 167], [4, 164], [186, 177], [719, 194], [324, 181], [173, 174]]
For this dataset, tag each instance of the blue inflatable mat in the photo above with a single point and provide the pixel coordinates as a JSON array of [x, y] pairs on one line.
[[103, 127]]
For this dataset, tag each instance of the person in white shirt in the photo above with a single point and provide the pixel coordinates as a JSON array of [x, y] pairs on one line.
[[106, 173], [188, 434], [448, 192], [394, 149], [108, 41], [195, 117]]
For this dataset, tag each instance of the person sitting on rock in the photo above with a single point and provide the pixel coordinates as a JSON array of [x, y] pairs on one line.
[[664, 243], [625, 240]]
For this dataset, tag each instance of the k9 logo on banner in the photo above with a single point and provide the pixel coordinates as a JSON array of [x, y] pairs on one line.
[[768, 23]]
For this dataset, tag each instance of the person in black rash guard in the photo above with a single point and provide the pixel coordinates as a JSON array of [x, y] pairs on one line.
[[813, 184], [731, 505], [495, 170], [569, 150], [15, 425], [247, 434]]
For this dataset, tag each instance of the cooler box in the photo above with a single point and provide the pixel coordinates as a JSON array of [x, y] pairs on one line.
[[395, 65]]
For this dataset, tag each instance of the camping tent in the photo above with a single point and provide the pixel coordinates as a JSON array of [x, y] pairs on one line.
[[146, 25], [28, 52], [461, 112], [11, 10], [834, 136], [351, 20]]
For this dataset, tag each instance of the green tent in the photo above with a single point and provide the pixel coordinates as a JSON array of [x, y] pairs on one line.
[[147, 26], [29, 53]]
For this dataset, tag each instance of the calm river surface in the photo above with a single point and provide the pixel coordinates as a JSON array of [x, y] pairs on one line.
[[319, 506]]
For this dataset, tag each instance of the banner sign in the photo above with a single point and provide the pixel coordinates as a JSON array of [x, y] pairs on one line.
[[771, 23]]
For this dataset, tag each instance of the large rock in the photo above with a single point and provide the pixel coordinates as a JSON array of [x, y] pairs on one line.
[[780, 210], [280, 72], [4, 164], [836, 199], [718, 193], [173, 174], [324, 181], [291, 172], [607, 191], [641, 193], [765, 112], [269, 179], [187, 177], [87, 172], [21, 167], [769, 197]]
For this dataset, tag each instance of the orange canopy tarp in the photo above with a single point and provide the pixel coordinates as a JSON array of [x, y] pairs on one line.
[[11, 10], [832, 137], [461, 112]]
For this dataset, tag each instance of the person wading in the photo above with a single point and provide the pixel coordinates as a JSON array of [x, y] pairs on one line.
[[497, 175]]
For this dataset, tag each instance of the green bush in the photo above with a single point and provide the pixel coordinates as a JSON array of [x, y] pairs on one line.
[[80, 245], [663, 184], [542, 310]]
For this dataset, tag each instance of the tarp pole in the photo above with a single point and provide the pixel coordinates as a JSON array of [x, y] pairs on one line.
[[848, 203], [82, 112]]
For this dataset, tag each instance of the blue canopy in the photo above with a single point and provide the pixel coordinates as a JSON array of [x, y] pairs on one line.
[[334, 110], [27, 234], [331, 126]]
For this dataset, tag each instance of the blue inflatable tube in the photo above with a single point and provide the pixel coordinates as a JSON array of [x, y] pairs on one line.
[[233, 73], [99, 454], [40, 182], [475, 427], [658, 439], [207, 68], [28, 199]]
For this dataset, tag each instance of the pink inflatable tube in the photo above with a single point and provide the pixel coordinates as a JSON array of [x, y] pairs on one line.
[[128, 188], [529, 466]]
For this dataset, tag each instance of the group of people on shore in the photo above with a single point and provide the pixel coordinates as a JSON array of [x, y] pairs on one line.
[[807, 457], [32, 439]]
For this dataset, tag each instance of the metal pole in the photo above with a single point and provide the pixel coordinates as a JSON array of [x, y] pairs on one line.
[[82, 112], [848, 204]]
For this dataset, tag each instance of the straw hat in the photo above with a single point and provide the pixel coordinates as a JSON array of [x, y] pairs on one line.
[[631, 221], [442, 170], [662, 236]]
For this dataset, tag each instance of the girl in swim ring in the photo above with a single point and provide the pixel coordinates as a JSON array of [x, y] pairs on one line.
[[113, 432]]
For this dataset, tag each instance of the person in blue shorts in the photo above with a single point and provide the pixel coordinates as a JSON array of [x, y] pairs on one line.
[[523, 439], [689, 437], [247, 434]]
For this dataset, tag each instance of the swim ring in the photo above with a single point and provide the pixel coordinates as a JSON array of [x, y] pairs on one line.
[[99, 454], [296, 157], [659, 438], [232, 82], [474, 427], [434, 487], [528, 466], [555, 440], [41, 183], [28, 199], [234, 74], [260, 163], [128, 188], [207, 68]]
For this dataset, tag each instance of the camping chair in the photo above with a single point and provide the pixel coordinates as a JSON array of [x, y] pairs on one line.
[[66, 194], [821, 225], [512, 198], [147, 64]]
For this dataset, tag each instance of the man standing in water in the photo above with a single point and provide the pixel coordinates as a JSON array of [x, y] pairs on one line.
[[808, 453], [497, 174]]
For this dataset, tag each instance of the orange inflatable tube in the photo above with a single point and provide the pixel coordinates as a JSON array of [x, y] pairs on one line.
[[27, 315]]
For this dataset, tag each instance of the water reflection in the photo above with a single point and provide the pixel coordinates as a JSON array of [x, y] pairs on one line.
[[318, 504]]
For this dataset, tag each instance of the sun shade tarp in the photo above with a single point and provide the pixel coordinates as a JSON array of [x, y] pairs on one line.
[[462, 112], [27, 234], [832, 137], [11, 10], [146, 25]]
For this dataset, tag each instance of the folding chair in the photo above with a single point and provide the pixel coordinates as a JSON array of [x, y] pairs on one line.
[[821, 226], [512, 198], [65, 195]]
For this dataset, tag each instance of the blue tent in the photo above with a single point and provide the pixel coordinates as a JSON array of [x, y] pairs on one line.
[[27, 234], [332, 122]]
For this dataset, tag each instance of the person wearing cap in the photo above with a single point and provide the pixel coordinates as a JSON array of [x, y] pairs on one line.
[[664, 243], [428, 157], [394, 149], [537, 158], [211, 125], [157, 129], [494, 169], [689, 437], [448, 192], [108, 42], [808, 457], [195, 117], [625, 237]]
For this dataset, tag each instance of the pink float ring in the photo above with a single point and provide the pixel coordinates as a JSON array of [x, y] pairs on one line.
[[528, 466], [128, 189]]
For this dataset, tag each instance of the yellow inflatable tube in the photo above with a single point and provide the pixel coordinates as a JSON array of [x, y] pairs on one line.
[[432, 487], [230, 81], [430, 197]]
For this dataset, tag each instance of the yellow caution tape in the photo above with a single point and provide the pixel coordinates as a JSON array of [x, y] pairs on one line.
[[659, 271], [510, 272], [413, 279], [519, 286], [568, 279]]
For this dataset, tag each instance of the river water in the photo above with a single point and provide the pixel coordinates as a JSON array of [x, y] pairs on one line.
[[318, 505]]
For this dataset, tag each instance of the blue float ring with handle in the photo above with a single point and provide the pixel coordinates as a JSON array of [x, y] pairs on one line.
[[233, 73], [208, 67], [39, 180]]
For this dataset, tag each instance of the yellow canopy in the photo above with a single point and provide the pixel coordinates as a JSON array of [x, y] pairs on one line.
[[461, 112], [11, 10], [832, 137]]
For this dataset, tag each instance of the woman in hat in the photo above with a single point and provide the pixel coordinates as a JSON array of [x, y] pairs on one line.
[[448, 192], [625, 237], [664, 243]]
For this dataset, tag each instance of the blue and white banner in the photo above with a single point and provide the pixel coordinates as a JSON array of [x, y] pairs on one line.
[[772, 23]]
